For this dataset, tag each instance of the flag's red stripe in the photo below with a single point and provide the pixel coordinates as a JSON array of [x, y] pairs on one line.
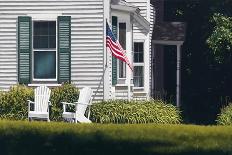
[[124, 59], [109, 43], [115, 51], [119, 55], [113, 43]]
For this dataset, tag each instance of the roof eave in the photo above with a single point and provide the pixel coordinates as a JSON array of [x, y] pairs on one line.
[[134, 11]]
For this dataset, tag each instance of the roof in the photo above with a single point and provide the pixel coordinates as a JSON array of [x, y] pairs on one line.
[[169, 31], [134, 10]]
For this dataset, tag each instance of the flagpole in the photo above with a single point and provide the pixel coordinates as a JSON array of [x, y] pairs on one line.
[[129, 88], [106, 65]]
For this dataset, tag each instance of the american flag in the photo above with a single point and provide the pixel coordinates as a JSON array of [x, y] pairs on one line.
[[115, 47]]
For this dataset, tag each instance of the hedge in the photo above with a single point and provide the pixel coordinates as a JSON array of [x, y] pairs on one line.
[[134, 112], [19, 137]]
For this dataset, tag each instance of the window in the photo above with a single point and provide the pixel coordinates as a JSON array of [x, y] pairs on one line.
[[122, 41], [139, 64], [44, 50]]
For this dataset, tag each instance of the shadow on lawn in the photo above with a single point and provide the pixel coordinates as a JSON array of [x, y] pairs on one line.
[[94, 144]]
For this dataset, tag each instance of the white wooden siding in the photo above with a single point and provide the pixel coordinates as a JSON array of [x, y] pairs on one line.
[[87, 38], [142, 5], [152, 22]]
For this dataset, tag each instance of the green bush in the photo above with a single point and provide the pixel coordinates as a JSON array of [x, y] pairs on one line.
[[119, 111], [65, 93], [225, 117], [25, 138], [14, 105]]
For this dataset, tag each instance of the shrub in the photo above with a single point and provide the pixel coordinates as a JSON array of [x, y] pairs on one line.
[[68, 93], [225, 117], [14, 105], [119, 111]]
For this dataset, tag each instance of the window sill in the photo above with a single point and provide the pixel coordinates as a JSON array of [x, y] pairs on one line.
[[123, 85], [48, 85], [138, 88]]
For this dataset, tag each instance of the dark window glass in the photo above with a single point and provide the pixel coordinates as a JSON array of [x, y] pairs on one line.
[[138, 76], [122, 41], [122, 35], [138, 52], [44, 35], [45, 64], [40, 42]]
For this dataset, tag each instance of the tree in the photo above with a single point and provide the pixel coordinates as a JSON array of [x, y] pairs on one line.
[[206, 83], [220, 41]]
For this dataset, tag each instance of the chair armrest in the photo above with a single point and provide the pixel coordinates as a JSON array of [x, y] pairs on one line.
[[49, 103], [29, 101], [68, 103], [82, 103], [29, 104], [64, 105]]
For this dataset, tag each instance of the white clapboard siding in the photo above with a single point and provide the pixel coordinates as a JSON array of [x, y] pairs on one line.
[[152, 22], [87, 38], [142, 5]]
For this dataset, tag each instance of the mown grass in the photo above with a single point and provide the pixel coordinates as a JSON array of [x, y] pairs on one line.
[[22, 137]]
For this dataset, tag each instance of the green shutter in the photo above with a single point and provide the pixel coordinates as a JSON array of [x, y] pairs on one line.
[[24, 49], [64, 48], [114, 60]]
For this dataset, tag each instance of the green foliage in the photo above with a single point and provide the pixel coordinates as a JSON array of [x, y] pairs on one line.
[[119, 111], [21, 137], [220, 41], [225, 117], [14, 105], [65, 93]]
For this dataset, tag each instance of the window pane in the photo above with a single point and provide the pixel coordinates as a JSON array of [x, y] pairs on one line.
[[122, 69], [44, 35], [40, 28], [122, 41], [52, 28], [122, 35], [138, 76], [136, 57], [40, 42], [44, 64], [136, 47], [36, 28], [52, 42], [138, 52]]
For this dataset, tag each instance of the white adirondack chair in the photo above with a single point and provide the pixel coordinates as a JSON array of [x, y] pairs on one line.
[[84, 101], [41, 104]]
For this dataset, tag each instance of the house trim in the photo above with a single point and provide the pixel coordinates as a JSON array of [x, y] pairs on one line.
[[135, 13], [107, 93], [169, 42]]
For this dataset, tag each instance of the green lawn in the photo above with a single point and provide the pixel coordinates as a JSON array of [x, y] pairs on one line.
[[18, 137]]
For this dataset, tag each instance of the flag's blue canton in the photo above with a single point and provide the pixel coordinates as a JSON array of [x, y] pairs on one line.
[[110, 33]]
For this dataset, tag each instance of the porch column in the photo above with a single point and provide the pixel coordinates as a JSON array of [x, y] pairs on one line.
[[178, 76]]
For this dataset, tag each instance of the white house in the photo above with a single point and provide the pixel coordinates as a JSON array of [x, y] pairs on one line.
[[54, 41]]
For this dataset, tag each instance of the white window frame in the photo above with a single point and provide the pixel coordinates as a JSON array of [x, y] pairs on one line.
[[140, 63], [56, 50]]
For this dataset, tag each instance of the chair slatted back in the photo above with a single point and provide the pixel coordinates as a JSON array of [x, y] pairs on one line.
[[42, 95], [84, 98]]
